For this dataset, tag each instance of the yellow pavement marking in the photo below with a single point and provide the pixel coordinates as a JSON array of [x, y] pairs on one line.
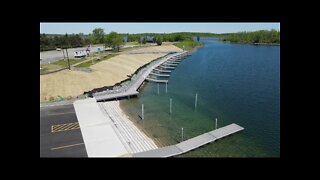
[[61, 147], [64, 127]]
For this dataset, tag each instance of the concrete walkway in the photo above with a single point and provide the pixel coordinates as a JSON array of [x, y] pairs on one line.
[[97, 131]]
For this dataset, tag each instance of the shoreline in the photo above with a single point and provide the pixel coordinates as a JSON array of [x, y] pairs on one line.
[[144, 128], [100, 89], [138, 123], [258, 44], [132, 137]]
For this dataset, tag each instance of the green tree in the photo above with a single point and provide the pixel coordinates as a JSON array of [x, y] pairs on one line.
[[113, 40], [44, 42], [98, 35], [159, 41], [65, 41]]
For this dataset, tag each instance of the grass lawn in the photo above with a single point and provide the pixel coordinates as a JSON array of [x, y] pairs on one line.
[[95, 61], [63, 63], [187, 45]]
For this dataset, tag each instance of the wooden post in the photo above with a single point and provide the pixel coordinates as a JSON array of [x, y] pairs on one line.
[[170, 105], [195, 102], [216, 123], [158, 88], [142, 114], [166, 87], [182, 134]]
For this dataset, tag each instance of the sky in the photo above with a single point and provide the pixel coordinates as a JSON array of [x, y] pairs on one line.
[[131, 28]]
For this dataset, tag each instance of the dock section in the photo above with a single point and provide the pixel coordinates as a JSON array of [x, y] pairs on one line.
[[157, 80], [160, 75], [133, 89], [192, 143]]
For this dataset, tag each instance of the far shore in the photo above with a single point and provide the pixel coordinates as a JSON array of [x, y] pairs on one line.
[[266, 44]]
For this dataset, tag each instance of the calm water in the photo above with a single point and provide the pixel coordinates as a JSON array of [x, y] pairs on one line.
[[235, 83]]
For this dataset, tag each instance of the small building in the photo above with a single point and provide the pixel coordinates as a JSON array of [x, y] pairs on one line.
[[147, 38], [195, 39], [125, 39]]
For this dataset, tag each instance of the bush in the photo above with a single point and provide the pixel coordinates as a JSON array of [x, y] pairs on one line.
[[51, 98], [159, 41]]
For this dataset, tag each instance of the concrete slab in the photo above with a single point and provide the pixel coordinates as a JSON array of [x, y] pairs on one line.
[[99, 137]]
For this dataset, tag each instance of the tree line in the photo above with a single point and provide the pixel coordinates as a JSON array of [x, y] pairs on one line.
[[113, 39], [169, 37], [262, 36], [50, 42]]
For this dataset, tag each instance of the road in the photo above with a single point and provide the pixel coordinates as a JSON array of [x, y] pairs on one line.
[[54, 55], [60, 135]]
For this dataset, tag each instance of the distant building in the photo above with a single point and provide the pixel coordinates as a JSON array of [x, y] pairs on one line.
[[125, 39], [147, 38]]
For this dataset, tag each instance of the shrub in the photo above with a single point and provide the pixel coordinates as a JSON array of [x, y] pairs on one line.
[[159, 41]]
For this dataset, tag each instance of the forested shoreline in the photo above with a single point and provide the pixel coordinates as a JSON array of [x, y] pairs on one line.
[[257, 37]]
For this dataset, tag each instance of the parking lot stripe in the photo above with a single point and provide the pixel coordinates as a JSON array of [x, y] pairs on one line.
[[71, 145], [64, 127]]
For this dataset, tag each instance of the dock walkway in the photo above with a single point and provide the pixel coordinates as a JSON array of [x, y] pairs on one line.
[[192, 143], [133, 89]]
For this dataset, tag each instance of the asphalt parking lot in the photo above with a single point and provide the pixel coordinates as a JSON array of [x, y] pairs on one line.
[[60, 135], [54, 55]]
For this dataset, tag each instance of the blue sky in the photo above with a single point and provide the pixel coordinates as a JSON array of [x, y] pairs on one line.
[[86, 28]]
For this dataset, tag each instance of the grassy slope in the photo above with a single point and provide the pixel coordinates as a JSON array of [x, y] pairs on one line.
[[187, 45], [95, 61]]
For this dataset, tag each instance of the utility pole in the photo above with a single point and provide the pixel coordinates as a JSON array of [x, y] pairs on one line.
[[158, 89], [64, 57], [68, 58], [92, 58]]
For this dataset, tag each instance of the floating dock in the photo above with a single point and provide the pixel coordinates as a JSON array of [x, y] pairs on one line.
[[160, 70], [166, 67], [192, 143], [133, 89], [160, 75], [169, 64], [157, 80]]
